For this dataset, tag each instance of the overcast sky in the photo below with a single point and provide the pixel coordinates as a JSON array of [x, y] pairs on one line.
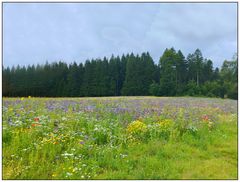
[[36, 32]]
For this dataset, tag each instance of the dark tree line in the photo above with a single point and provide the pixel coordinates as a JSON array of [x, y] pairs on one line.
[[131, 74]]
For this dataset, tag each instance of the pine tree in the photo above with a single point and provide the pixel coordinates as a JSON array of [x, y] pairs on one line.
[[168, 72]]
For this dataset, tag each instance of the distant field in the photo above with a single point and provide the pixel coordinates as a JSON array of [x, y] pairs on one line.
[[119, 138]]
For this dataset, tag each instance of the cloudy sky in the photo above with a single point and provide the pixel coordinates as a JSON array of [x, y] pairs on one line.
[[36, 32]]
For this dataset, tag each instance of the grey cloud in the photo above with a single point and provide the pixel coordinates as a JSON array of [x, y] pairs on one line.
[[34, 33]]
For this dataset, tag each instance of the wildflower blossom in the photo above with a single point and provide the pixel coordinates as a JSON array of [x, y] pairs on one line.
[[136, 126], [207, 121], [165, 124], [205, 118], [81, 142], [35, 124], [36, 119]]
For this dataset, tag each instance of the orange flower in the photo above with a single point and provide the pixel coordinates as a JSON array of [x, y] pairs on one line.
[[35, 124]]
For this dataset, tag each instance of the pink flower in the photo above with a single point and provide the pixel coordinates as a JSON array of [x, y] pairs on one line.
[[205, 118]]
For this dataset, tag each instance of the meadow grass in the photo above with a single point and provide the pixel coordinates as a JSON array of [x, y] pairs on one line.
[[119, 138]]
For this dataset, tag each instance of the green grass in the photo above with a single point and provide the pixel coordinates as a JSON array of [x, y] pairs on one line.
[[214, 157], [99, 145]]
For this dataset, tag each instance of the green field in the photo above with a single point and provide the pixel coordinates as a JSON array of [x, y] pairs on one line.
[[119, 138]]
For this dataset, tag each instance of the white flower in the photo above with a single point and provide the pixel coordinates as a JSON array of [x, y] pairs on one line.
[[123, 155], [66, 154], [69, 174], [64, 119]]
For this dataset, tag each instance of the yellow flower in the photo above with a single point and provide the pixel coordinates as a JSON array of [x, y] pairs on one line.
[[136, 126], [29, 97], [22, 98], [165, 124]]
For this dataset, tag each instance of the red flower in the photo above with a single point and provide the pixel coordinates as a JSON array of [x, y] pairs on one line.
[[36, 119]]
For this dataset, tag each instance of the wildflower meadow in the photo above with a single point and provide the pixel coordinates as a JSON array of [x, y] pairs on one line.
[[119, 138]]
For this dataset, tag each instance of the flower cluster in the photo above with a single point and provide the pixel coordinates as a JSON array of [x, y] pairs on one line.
[[136, 127], [165, 124], [54, 139], [36, 122]]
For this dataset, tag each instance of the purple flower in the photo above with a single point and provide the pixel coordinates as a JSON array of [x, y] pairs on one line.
[[82, 142]]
